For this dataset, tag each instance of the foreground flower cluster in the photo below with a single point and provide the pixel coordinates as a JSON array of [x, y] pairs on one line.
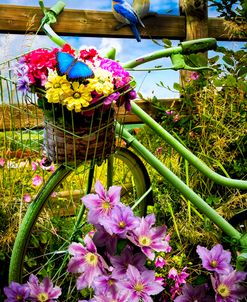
[[118, 273], [39, 70], [114, 262]]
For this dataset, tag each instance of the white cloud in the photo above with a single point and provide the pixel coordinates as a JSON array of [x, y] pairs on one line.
[[108, 43]]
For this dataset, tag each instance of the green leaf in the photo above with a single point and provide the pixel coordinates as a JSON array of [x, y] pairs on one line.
[[228, 60], [177, 87], [167, 43], [242, 71], [214, 59]]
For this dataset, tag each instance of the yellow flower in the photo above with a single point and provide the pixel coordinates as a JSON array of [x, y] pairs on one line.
[[57, 87], [102, 82], [79, 96]]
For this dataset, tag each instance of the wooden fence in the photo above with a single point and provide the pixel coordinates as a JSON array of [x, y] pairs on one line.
[[14, 19]]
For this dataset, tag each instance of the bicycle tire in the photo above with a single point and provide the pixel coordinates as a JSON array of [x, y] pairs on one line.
[[37, 226]]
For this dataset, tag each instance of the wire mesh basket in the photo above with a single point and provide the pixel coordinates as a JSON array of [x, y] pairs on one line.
[[28, 127]]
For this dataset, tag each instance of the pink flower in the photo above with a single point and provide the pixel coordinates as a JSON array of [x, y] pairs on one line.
[[170, 112], [27, 198], [38, 62], [34, 166], [173, 274], [101, 204], [2, 162], [37, 180], [176, 118], [86, 262], [149, 238], [228, 287], [179, 278], [53, 194], [160, 262], [44, 290], [140, 285], [160, 280], [215, 260], [194, 75]]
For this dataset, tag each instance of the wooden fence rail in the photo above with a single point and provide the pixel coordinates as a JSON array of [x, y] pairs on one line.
[[15, 19]]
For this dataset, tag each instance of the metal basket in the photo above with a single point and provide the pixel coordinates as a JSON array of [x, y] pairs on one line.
[[63, 136], [80, 136]]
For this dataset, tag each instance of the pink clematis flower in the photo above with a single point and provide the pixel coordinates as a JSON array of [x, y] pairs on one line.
[[149, 238], [228, 286], [194, 75], [102, 203], [139, 286], [120, 221], [86, 262], [215, 260], [16, 292], [121, 262], [197, 293], [43, 291]]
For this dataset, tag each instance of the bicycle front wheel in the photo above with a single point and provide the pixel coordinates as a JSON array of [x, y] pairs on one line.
[[52, 223]]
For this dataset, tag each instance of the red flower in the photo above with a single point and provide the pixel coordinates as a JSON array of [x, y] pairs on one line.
[[67, 48], [38, 62], [89, 55]]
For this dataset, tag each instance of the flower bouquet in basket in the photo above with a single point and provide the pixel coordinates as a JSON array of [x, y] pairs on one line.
[[76, 93]]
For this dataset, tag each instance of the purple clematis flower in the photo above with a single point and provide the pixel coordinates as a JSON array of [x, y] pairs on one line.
[[110, 297], [16, 292], [43, 291], [149, 238], [102, 203], [85, 261], [216, 260], [105, 284], [139, 286], [120, 221], [227, 286], [194, 294], [120, 263], [103, 239]]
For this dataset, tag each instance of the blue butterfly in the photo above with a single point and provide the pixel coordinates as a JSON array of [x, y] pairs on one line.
[[74, 69]]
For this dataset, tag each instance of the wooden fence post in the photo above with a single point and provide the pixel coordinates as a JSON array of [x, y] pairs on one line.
[[196, 18]]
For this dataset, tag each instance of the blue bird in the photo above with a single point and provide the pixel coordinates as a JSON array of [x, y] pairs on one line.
[[141, 7], [125, 14]]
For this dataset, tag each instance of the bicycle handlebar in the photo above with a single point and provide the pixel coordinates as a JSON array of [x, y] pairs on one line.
[[199, 45]]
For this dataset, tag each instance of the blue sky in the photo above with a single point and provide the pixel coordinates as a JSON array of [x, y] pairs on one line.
[[12, 45]]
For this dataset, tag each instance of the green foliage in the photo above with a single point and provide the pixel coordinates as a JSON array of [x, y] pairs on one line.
[[230, 9], [234, 13], [210, 119]]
